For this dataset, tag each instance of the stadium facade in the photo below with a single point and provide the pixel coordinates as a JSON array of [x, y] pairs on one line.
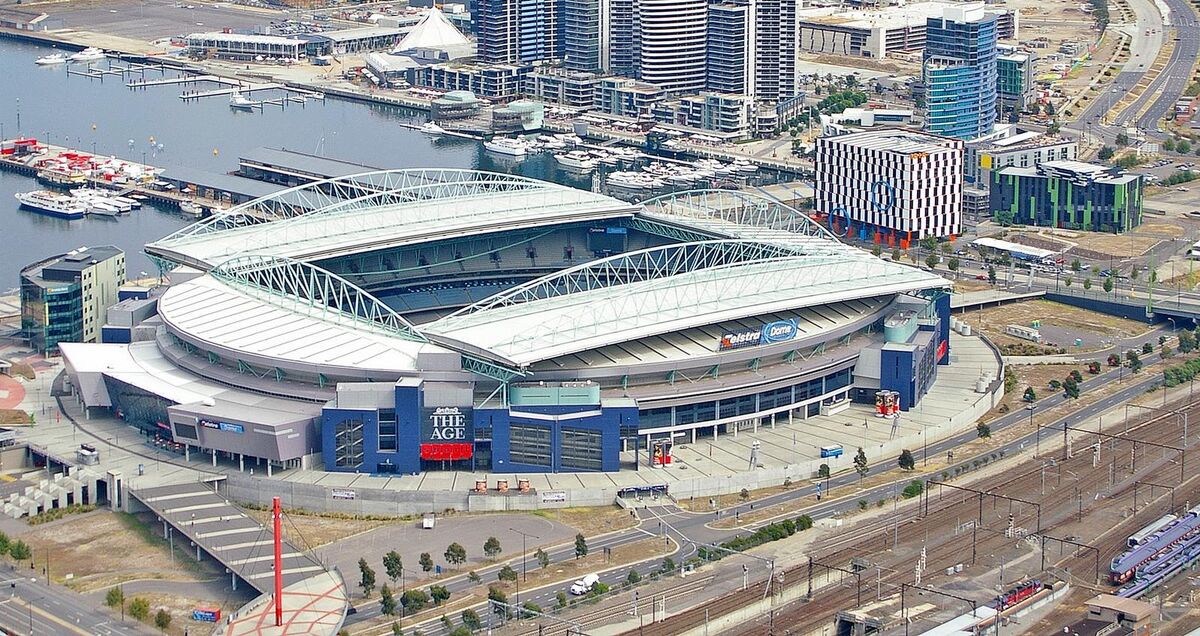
[[414, 320]]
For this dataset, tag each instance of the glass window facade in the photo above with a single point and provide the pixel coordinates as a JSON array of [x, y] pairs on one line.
[[746, 404], [580, 449], [960, 75], [530, 444], [348, 443], [387, 429]]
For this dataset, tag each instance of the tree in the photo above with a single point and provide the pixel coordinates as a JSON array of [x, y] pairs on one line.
[[367, 582], [928, 243], [668, 565], [744, 494], [860, 464], [1068, 280], [387, 601], [393, 566], [1076, 266], [1050, 108], [1122, 139], [952, 265], [906, 460], [1147, 347], [1168, 145], [1003, 218], [470, 620], [1054, 128], [529, 608], [543, 559], [1076, 375], [1183, 147], [1106, 153], [162, 620], [1071, 388], [1187, 341], [139, 608], [496, 594], [439, 593], [896, 254], [461, 630], [396, 631], [115, 597], [992, 274], [506, 573], [20, 551], [983, 430], [491, 547], [1166, 351], [1108, 285], [426, 562], [473, 577], [414, 600], [455, 554], [5, 544], [1030, 394], [633, 577], [931, 261], [580, 546], [823, 471], [1087, 283], [561, 597], [877, 250]]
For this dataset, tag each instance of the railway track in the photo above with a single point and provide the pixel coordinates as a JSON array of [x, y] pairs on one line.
[[939, 527]]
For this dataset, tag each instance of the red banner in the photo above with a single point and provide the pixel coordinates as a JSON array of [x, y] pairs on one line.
[[446, 451]]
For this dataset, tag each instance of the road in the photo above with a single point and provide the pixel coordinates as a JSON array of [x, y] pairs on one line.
[[29, 606], [690, 530], [1148, 36]]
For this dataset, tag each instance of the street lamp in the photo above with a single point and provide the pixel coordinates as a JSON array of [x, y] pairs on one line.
[[1038, 438], [524, 560]]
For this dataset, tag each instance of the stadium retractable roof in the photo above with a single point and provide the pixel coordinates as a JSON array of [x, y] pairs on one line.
[[377, 210], [660, 290]]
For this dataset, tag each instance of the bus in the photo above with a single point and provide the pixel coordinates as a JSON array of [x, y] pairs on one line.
[[831, 451]]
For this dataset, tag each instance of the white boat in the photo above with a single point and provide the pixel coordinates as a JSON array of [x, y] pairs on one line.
[[53, 58], [577, 160], [190, 208], [89, 54], [744, 167], [430, 128], [682, 178], [52, 204], [633, 181], [132, 203], [99, 207], [506, 146], [237, 101], [101, 202]]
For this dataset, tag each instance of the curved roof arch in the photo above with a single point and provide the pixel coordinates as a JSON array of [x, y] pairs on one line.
[[645, 265], [745, 215], [360, 211], [308, 290]]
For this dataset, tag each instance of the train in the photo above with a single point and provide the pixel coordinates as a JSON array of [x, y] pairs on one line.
[[1016, 595], [1141, 536], [1155, 550]]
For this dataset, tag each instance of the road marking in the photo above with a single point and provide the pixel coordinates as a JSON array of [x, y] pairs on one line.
[[54, 619]]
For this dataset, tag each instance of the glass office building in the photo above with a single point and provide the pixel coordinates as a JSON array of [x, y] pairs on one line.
[[960, 72]]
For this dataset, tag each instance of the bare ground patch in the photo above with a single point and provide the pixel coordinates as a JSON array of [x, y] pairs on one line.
[[591, 521], [317, 530]]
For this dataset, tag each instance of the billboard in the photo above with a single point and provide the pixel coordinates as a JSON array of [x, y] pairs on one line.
[[770, 333], [447, 433]]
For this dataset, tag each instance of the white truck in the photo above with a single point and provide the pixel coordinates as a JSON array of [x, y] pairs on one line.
[[584, 585], [428, 521]]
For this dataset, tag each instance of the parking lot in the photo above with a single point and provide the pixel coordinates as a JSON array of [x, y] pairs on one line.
[[150, 20]]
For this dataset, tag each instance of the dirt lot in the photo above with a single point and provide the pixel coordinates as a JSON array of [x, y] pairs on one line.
[[591, 521], [103, 548], [1038, 376], [180, 609], [316, 530], [1061, 324], [970, 285]]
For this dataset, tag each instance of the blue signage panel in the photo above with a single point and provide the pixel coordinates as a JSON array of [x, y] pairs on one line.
[[223, 426], [779, 331]]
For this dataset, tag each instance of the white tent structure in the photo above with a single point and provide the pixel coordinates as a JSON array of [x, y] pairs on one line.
[[434, 31]]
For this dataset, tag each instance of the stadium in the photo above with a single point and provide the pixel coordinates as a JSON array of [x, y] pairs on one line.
[[405, 321]]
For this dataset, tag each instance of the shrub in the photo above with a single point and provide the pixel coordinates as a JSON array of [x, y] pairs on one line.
[[914, 488]]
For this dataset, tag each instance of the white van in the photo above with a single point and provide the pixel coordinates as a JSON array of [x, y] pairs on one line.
[[584, 585]]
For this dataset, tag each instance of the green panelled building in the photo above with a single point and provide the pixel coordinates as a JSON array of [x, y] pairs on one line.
[[1069, 194]]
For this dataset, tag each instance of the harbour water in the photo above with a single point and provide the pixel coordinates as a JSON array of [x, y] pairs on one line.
[[206, 134]]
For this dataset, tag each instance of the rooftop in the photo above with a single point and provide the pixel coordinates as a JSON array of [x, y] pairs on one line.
[[908, 15], [247, 38], [896, 140], [66, 267]]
